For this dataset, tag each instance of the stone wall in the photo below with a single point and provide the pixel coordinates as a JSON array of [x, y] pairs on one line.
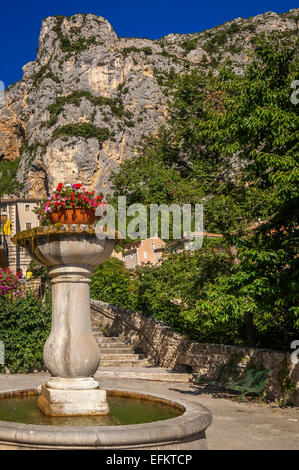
[[166, 348]]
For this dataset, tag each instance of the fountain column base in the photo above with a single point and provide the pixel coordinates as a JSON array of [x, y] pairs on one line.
[[71, 397]]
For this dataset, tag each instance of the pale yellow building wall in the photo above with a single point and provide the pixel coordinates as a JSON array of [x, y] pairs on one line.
[[26, 216]]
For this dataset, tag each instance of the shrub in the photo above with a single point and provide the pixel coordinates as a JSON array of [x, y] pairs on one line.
[[24, 328], [8, 171], [10, 283], [189, 45], [85, 130], [111, 283], [75, 98], [127, 50]]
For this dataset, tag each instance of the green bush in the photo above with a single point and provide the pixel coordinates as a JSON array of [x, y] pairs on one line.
[[66, 45], [24, 328], [127, 50], [85, 130], [111, 283], [75, 98], [8, 171], [189, 45]]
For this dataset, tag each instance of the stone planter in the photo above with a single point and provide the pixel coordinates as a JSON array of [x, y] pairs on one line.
[[71, 353]]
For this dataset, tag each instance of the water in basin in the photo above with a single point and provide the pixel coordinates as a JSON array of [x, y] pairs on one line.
[[123, 410]]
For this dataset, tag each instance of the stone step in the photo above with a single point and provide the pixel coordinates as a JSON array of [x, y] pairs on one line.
[[115, 352], [142, 373], [117, 356], [114, 345], [109, 338], [123, 363], [122, 351]]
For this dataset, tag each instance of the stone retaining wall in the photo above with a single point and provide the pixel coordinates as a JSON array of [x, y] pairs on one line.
[[166, 348]]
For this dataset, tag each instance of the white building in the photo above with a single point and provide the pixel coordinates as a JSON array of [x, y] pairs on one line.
[[19, 215]]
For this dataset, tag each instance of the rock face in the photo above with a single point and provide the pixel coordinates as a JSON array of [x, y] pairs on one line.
[[84, 104]]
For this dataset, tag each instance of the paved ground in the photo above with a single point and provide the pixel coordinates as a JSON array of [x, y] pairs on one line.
[[246, 425]]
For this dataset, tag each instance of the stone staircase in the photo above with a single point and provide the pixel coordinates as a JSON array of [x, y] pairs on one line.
[[120, 361], [115, 352]]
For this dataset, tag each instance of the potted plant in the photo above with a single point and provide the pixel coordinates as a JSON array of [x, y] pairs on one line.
[[70, 204]]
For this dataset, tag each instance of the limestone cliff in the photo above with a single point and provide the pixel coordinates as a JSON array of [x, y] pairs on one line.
[[88, 98]]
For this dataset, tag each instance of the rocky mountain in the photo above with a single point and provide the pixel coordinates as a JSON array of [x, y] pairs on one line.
[[86, 101]]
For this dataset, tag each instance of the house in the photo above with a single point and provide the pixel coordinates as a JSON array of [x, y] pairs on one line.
[[141, 252], [15, 215], [152, 250]]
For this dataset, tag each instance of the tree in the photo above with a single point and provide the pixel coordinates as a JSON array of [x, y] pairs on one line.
[[111, 283], [232, 142]]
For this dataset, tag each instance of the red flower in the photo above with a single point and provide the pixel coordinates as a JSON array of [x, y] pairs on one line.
[[77, 185], [59, 187]]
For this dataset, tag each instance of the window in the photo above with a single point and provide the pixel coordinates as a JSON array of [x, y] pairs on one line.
[[131, 255], [144, 254], [28, 225], [124, 257], [27, 207], [153, 246]]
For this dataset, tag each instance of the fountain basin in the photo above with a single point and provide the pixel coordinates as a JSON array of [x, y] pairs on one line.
[[185, 432]]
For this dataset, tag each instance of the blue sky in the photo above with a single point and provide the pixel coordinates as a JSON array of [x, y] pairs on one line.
[[20, 21]]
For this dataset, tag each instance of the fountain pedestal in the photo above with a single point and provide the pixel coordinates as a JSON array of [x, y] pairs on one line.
[[71, 400], [71, 353]]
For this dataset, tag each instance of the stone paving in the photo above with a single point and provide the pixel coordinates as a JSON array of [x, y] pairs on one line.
[[246, 425]]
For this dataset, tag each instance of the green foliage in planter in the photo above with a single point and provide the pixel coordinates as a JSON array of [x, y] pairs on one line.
[[85, 130], [24, 328], [8, 182]]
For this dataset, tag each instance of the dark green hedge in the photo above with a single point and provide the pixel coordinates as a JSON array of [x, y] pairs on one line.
[[24, 328]]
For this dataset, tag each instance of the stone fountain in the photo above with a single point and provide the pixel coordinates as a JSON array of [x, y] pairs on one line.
[[72, 356]]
